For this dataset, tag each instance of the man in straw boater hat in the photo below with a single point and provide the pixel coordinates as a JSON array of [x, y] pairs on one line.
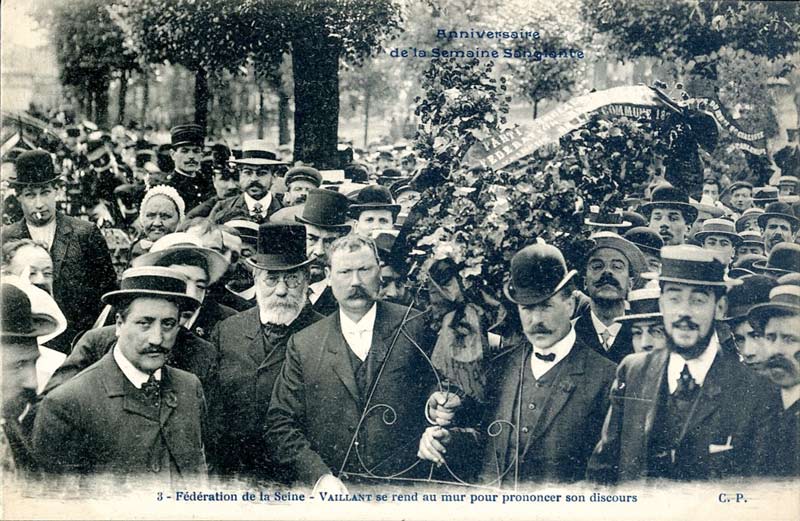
[[779, 319], [252, 346], [779, 224], [256, 171], [549, 392], [670, 214], [678, 413], [612, 266], [20, 329], [82, 266], [752, 243], [646, 321], [748, 221], [325, 219], [130, 413], [719, 236]]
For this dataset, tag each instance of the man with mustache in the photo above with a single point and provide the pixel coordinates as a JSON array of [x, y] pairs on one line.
[[779, 319], [612, 266], [19, 331], [547, 395], [325, 218], [745, 340], [670, 214], [130, 414], [299, 181], [687, 412], [779, 224], [82, 264], [187, 153], [252, 347], [256, 170]]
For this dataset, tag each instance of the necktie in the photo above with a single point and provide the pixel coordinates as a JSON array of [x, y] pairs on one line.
[[545, 358], [275, 333], [686, 384], [606, 337], [257, 210], [152, 389]]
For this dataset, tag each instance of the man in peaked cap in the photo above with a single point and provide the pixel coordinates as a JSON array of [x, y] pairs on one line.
[[547, 395], [130, 413], [646, 321], [82, 266], [649, 243], [299, 180], [187, 154], [739, 196], [677, 413], [779, 224], [373, 209], [719, 235], [779, 319], [611, 268], [325, 218], [256, 170], [405, 195], [252, 346], [670, 214]]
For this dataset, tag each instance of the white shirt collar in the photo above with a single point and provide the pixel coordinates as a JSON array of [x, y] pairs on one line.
[[697, 366], [264, 202], [561, 349], [789, 395], [134, 376], [359, 334], [599, 327], [44, 234]]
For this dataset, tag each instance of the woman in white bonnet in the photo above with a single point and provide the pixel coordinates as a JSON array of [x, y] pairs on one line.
[[161, 211]]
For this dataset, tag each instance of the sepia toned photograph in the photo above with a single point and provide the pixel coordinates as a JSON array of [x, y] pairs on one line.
[[400, 259]]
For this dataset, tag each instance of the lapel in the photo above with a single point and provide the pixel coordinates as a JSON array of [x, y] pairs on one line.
[[169, 398], [708, 400], [336, 345], [382, 335], [58, 251], [566, 380], [116, 385], [505, 414], [651, 384], [586, 333], [251, 330]]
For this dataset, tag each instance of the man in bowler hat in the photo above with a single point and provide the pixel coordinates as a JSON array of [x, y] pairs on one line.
[[670, 214], [548, 394], [252, 347], [680, 413], [82, 266], [129, 413], [779, 224]]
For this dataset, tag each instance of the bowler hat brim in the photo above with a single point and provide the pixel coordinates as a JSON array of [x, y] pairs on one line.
[[689, 211], [761, 312], [531, 298], [356, 209], [337, 227], [764, 217]]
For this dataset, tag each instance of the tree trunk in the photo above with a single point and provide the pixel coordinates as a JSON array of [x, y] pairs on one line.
[[315, 64], [201, 98], [123, 91], [283, 116], [262, 115], [145, 99], [366, 116], [101, 105]]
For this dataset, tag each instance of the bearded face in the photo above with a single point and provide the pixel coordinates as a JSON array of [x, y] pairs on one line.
[[281, 295]]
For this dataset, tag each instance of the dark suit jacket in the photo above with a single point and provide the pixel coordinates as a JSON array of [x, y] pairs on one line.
[[98, 423], [587, 334], [211, 314], [82, 272], [326, 303], [316, 405], [237, 202], [249, 366], [733, 403], [203, 209], [562, 440]]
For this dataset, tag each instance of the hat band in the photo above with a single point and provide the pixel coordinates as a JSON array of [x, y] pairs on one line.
[[278, 260], [257, 154], [644, 306], [153, 283], [711, 272]]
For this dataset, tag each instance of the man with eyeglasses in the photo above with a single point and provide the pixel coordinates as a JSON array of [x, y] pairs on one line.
[[252, 346], [256, 170]]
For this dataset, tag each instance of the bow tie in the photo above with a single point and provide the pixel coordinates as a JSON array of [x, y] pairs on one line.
[[545, 358], [275, 331]]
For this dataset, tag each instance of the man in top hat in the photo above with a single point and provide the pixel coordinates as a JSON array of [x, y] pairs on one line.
[[252, 346], [783, 259], [547, 395], [646, 322], [187, 178], [130, 413], [325, 218], [19, 332], [678, 413], [373, 209], [779, 224], [740, 196], [256, 170], [779, 319], [745, 342], [787, 185], [752, 243], [327, 416], [670, 214], [611, 268], [719, 235], [649, 243], [82, 267], [299, 180]]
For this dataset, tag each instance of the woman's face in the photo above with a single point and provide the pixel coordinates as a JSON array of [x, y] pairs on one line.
[[159, 217]]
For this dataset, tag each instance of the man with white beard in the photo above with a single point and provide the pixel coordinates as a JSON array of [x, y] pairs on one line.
[[252, 347]]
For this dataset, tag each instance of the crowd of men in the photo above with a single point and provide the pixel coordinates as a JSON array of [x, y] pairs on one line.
[[232, 314]]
